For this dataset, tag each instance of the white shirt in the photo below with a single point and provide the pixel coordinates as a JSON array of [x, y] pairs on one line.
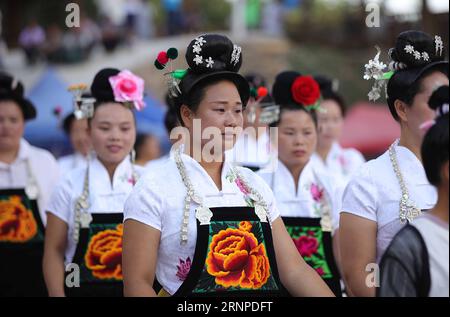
[[158, 201], [250, 152], [44, 168], [374, 193], [104, 197], [340, 163], [313, 190], [435, 234], [71, 162]]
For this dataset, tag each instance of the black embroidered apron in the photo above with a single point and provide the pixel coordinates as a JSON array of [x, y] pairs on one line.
[[21, 246], [316, 248], [234, 256], [99, 257]]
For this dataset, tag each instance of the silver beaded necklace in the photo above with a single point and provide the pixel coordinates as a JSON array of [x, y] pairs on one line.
[[408, 210], [83, 217], [203, 213]]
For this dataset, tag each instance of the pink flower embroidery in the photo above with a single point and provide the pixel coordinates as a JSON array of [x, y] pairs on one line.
[[320, 271], [128, 87], [342, 160], [307, 246], [316, 192], [241, 186], [132, 181], [183, 269]]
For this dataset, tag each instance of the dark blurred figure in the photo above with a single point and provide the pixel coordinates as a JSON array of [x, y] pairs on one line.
[[174, 13], [111, 35], [147, 149], [31, 40]]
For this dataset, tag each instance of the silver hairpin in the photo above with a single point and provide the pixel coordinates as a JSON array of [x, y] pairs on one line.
[[209, 62], [14, 83], [200, 41], [198, 60], [439, 44], [236, 55]]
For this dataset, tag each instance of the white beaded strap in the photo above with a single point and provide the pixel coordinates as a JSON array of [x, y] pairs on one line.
[[408, 210], [82, 217], [32, 187]]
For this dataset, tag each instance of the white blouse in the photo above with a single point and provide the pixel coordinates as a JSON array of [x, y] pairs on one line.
[[374, 193], [158, 201], [314, 189], [251, 152], [44, 168], [340, 163], [104, 197], [71, 162], [435, 234]]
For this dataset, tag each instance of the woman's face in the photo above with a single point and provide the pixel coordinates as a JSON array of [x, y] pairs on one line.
[[420, 112], [330, 120], [79, 136], [12, 125], [113, 132], [297, 138], [220, 109]]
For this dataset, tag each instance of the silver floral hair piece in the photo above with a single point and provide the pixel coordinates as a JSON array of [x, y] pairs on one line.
[[235, 56], [439, 45], [375, 70], [83, 106], [417, 55], [197, 50]]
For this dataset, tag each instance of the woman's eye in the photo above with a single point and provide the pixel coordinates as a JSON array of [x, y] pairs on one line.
[[220, 110]]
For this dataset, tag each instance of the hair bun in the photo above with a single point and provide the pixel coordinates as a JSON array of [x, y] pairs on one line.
[[416, 49], [212, 53], [439, 98], [101, 88]]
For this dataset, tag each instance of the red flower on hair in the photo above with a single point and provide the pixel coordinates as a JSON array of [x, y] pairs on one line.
[[305, 90]]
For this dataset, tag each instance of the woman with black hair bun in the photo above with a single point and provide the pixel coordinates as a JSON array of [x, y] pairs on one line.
[[392, 190], [330, 156], [417, 261], [27, 177], [83, 245], [305, 194], [198, 224]]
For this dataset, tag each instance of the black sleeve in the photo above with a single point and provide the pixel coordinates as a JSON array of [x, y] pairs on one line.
[[404, 268]]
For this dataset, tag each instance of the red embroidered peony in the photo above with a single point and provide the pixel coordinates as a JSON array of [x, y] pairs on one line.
[[305, 91], [307, 246]]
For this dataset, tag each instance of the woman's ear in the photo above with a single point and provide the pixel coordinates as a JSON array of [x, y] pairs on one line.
[[400, 108], [186, 116]]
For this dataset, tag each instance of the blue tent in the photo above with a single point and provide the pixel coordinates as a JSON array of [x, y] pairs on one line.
[[46, 130]]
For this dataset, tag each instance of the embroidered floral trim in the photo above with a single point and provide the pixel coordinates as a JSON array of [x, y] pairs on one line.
[[104, 254], [237, 259], [17, 223], [183, 269]]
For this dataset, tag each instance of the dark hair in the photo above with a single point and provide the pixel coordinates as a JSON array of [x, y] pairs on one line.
[[171, 120], [67, 123], [406, 82], [282, 95], [329, 93], [435, 144], [102, 91], [12, 90], [292, 107], [140, 141], [226, 62]]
